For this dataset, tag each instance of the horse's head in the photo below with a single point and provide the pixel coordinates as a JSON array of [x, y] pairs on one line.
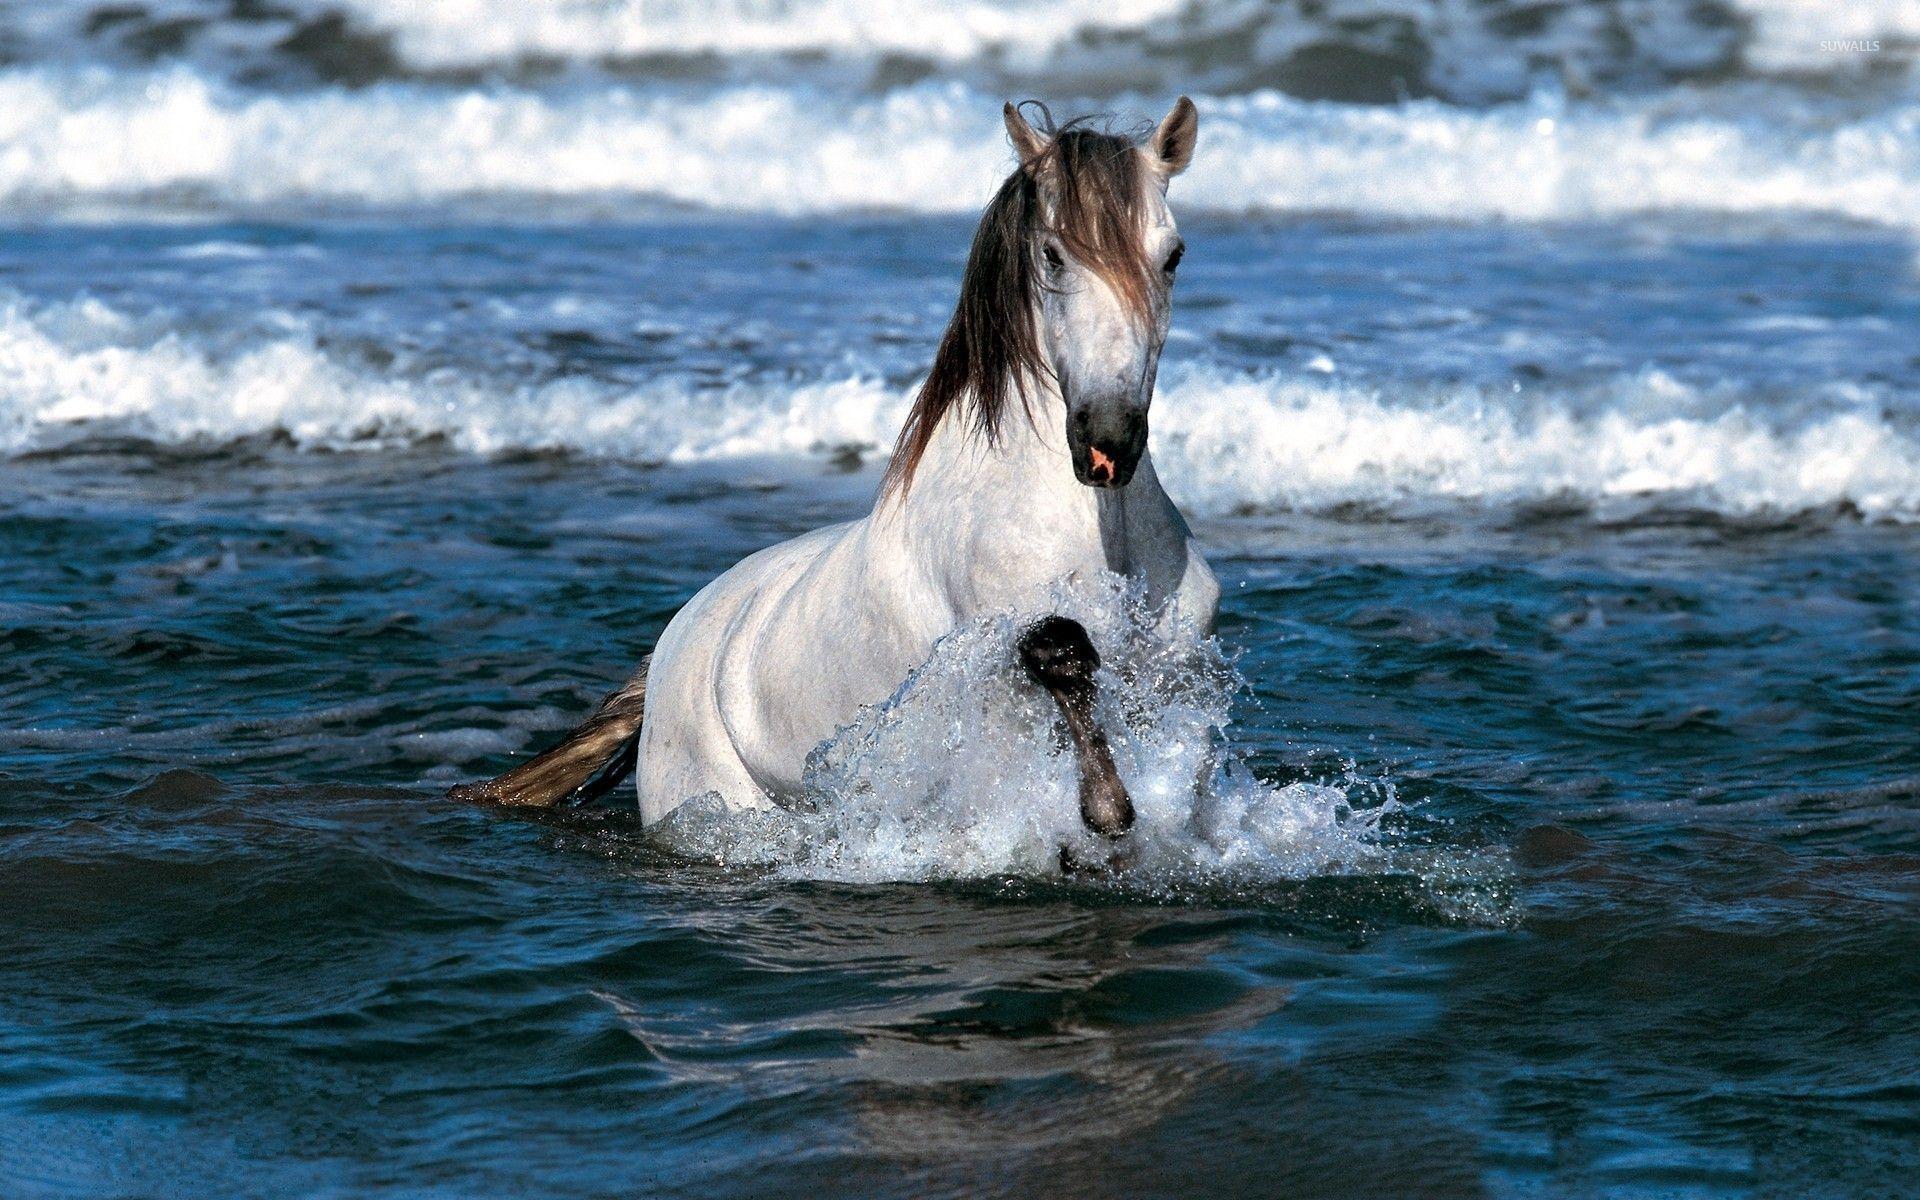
[[1104, 249], [1069, 281]]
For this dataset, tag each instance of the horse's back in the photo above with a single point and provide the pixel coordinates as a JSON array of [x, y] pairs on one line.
[[773, 657], [686, 747]]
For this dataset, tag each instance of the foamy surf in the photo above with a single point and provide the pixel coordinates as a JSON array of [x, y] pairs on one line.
[[1224, 441], [490, 31], [83, 369], [83, 138], [1352, 49], [1276, 442]]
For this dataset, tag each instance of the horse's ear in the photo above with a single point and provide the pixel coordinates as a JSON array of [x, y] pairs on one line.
[[1026, 143], [1171, 147]]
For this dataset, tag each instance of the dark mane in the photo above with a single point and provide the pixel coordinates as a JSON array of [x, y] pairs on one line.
[[990, 352]]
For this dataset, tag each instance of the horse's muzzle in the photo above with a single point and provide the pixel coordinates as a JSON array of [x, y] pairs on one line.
[[1107, 448]]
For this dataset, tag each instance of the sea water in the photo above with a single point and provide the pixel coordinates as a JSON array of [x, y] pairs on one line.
[[376, 380]]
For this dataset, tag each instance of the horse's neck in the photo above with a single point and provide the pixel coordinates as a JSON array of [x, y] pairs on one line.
[[1012, 513]]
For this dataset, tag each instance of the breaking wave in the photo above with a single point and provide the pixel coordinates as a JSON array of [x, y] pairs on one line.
[[1225, 441], [1368, 50], [82, 370], [92, 137], [1272, 442]]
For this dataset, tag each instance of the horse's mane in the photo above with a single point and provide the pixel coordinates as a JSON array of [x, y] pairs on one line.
[[990, 352]]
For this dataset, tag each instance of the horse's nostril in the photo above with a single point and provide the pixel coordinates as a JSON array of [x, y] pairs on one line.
[[1082, 418]]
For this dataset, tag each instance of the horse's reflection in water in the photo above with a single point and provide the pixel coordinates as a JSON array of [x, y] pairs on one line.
[[1029, 1037], [1014, 1028], [1053, 1051]]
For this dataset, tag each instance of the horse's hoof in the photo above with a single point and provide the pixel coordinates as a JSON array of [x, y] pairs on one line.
[[1058, 655]]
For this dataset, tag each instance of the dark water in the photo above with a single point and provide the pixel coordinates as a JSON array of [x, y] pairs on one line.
[[1589, 546], [250, 952]]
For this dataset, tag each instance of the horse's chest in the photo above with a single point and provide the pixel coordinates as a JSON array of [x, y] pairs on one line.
[[1015, 562]]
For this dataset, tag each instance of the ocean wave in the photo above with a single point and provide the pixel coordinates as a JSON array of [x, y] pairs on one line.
[[83, 369], [1225, 442], [81, 138], [1371, 50], [1338, 49], [1231, 443], [471, 32]]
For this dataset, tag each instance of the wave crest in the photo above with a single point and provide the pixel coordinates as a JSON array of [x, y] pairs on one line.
[[79, 138], [1231, 443], [1369, 50], [1224, 442]]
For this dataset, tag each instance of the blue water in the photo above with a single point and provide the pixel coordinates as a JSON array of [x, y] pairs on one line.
[[374, 387], [1646, 924]]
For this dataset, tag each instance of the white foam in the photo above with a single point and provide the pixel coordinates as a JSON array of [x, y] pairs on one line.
[[1227, 442], [83, 368], [959, 775], [1545, 160], [466, 32], [1473, 50], [87, 136], [1223, 441]]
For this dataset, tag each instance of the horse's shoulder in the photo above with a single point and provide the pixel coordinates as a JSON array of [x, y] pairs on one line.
[[1197, 596]]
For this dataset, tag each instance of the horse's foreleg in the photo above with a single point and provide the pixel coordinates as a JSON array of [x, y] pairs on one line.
[[1058, 655]]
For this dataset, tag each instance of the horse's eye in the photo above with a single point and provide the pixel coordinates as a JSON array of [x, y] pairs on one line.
[[1054, 261], [1173, 260]]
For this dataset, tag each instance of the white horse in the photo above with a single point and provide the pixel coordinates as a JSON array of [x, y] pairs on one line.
[[1023, 462]]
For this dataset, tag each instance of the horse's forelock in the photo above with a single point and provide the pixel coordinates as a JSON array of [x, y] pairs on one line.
[[1095, 185], [991, 348]]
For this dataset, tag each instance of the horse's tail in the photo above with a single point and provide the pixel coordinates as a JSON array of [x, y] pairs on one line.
[[587, 763]]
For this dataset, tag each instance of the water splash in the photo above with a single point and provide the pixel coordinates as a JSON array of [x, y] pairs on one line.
[[961, 774]]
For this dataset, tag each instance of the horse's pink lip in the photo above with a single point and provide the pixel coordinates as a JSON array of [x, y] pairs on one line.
[[1101, 468]]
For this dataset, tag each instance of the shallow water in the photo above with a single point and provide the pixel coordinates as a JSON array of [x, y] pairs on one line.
[[375, 386]]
